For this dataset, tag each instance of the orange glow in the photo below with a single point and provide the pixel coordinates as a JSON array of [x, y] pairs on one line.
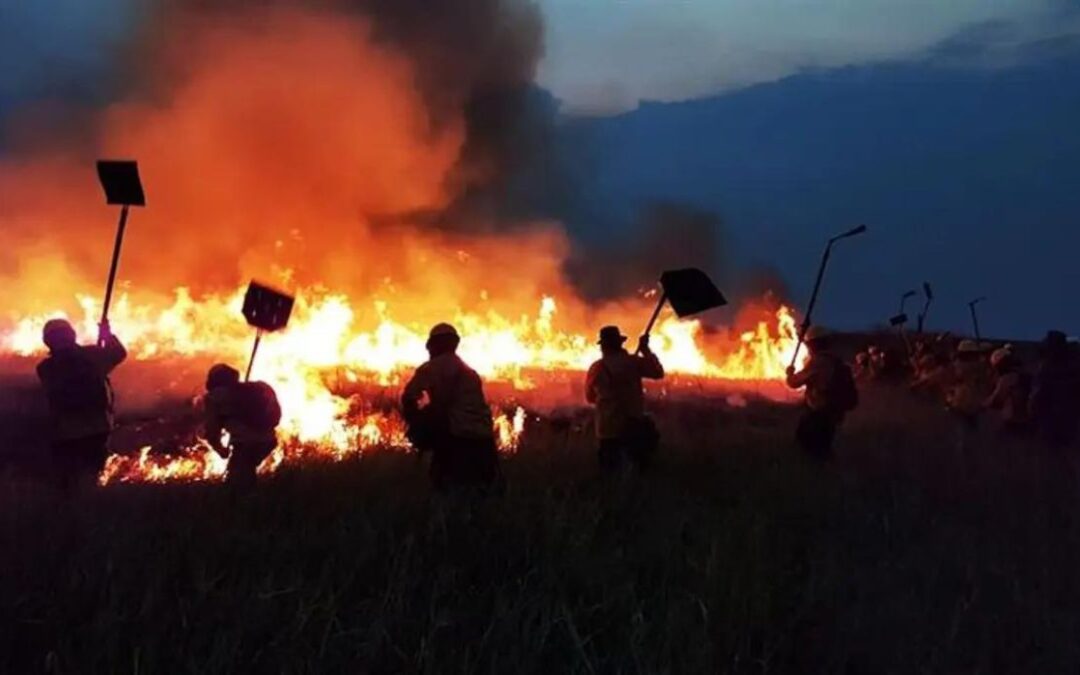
[[323, 337], [290, 145]]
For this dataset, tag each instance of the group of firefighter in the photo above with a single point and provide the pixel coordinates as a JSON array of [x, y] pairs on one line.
[[447, 414], [978, 382]]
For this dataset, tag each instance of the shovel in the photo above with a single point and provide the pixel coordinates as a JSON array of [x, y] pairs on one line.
[[853, 232], [120, 180], [266, 310], [690, 291], [929, 293], [975, 316]]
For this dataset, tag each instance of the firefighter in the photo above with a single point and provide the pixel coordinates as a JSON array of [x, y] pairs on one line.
[[447, 414], [830, 395], [1012, 391], [250, 413], [80, 399], [862, 371], [1055, 395], [966, 386], [614, 386]]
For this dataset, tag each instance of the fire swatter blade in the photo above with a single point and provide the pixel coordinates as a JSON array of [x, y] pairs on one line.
[[690, 291]]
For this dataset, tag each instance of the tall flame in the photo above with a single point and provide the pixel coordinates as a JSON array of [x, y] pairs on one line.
[[323, 338]]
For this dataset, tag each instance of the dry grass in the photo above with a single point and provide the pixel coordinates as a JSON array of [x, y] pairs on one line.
[[734, 556]]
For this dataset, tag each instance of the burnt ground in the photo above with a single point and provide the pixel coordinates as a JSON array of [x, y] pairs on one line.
[[734, 555]]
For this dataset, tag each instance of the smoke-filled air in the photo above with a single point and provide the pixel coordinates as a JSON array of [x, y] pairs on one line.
[[340, 151]]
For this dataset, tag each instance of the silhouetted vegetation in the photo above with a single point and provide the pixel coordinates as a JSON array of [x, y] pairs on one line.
[[734, 555]]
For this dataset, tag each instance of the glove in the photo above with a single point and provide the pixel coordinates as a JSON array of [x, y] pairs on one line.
[[643, 344]]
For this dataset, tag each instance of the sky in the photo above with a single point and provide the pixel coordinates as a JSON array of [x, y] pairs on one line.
[[605, 55], [602, 56]]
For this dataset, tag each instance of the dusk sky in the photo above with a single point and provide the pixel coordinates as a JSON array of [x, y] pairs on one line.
[[609, 54], [604, 55]]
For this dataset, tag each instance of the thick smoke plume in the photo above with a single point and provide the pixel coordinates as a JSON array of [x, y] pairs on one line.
[[328, 139]]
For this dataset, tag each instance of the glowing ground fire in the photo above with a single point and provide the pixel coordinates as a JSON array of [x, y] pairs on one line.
[[322, 343]]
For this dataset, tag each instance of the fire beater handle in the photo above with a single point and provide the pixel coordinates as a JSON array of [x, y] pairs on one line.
[[254, 350], [112, 271], [656, 313], [813, 301], [922, 315]]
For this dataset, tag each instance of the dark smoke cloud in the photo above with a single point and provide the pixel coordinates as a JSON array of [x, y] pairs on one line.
[[670, 236], [476, 56]]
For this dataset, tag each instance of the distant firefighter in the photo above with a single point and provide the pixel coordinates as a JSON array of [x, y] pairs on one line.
[[862, 370], [1012, 392], [830, 395], [966, 386], [250, 413], [447, 415], [614, 386], [1055, 396], [80, 398]]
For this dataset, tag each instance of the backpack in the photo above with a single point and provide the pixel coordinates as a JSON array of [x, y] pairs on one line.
[[428, 428], [74, 383], [842, 389], [258, 405]]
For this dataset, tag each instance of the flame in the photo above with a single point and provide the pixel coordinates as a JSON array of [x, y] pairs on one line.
[[254, 167], [323, 338]]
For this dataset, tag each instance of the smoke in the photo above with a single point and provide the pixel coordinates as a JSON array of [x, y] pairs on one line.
[[377, 147], [299, 136], [670, 235]]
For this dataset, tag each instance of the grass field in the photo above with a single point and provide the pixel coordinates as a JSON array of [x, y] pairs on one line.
[[735, 555]]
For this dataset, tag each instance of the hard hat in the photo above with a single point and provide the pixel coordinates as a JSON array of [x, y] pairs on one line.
[[58, 334], [1000, 355], [816, 333], [441, 329], [611, 335], [221, 375], [969, 347]]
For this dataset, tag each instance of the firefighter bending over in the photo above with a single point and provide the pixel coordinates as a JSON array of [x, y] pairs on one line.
[[830, 395], [76, 382], [447, 415], [613, 385], [250, 413]]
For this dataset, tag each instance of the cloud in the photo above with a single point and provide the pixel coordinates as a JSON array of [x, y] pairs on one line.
[[606, 55]]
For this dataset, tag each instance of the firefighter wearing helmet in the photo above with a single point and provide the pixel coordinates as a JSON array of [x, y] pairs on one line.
[[1012, 391], [250, 413], [447, 415], [80, 399], [830, 394]]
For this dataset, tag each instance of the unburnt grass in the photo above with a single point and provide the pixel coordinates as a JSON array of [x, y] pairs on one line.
[[733, 555]]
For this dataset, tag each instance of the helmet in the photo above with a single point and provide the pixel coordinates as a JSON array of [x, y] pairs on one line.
[[969, 347], [816, 333], [999, 356], [58, 334], [221, 375], [441, 329]]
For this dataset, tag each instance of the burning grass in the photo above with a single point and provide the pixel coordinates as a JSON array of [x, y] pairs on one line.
[[734, 556], [336, 375]]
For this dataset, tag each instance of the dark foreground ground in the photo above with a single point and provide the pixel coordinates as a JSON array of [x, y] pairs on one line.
[[734, 556]]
